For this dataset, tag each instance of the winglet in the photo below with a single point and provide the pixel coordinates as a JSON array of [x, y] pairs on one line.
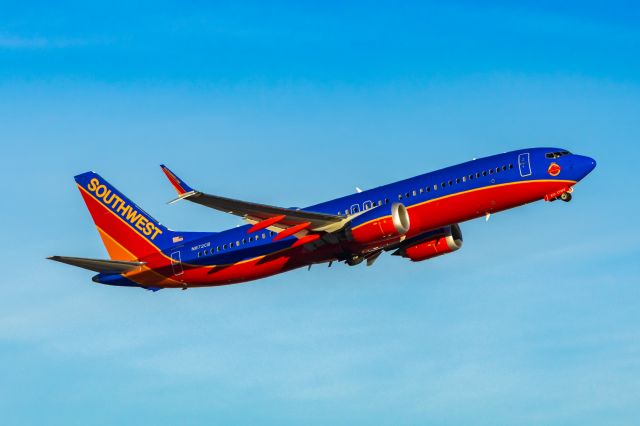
[[179, 185]]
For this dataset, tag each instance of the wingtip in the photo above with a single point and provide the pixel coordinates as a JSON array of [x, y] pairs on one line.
[[178, 184]]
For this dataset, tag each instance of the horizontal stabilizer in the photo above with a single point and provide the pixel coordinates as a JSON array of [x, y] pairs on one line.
[[99, 265]]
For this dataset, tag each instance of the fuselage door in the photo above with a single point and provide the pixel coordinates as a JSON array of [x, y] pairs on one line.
[[355, 208], [524, 164], [176, 263]]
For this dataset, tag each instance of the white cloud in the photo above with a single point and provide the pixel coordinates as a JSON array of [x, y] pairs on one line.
[[9, 41]]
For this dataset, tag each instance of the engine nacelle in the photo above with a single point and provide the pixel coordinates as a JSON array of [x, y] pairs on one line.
[[447, 240], [381, 223]]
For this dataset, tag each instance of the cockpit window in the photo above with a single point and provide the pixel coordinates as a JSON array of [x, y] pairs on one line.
[[556, 154]]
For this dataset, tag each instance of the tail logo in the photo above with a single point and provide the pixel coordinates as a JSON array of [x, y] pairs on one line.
[[554, 169], [121, 208]]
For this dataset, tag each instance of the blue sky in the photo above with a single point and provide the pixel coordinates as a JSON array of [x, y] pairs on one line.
[[534, 321]]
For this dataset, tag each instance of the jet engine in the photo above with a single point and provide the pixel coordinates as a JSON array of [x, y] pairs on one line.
[[443, 241], [379, 224]]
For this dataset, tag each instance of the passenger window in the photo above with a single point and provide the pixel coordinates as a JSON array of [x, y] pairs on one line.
[[421, 190], [428, 189], [199, 254], [510, 166], [217, 248], [386, 201], [457, 180], [224, 247], [435, 187], [399, 196], [450, 183], [490, 171], [464, 178], [414, 193]]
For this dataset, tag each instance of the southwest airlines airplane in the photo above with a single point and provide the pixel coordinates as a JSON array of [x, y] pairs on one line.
[[416, 218]]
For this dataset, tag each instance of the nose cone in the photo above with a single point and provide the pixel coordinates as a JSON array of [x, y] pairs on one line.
[[584, 165]]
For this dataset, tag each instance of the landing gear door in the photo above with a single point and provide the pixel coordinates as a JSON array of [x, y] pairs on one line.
[[176, 263], [524, 164]]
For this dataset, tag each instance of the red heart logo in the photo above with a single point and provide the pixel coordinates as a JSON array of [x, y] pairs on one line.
[[554, 169]]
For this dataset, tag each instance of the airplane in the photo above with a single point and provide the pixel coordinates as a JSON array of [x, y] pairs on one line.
[[416, 218]]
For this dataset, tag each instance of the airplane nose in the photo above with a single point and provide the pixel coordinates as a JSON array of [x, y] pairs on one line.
[[585, 165], [590, 164]]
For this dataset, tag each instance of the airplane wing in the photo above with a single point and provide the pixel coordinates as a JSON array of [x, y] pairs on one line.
[[261, 215], [99, 265]]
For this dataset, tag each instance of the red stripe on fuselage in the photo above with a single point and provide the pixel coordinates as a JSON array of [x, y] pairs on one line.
[[467, 205]]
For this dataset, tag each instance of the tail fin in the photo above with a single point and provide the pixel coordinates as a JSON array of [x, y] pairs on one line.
[[128, 232]]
